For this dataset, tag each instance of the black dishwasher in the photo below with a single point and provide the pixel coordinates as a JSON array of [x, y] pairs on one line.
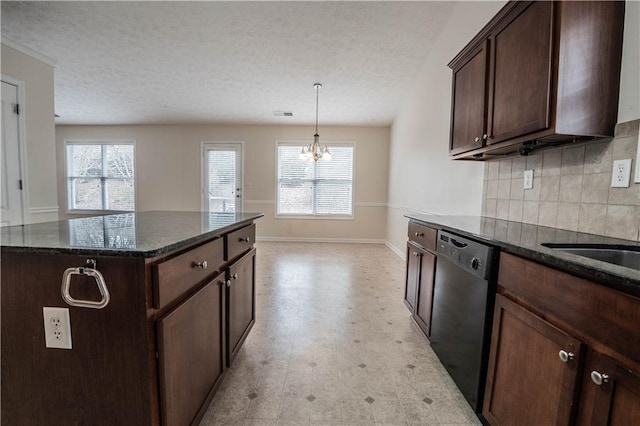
[[463, 299]]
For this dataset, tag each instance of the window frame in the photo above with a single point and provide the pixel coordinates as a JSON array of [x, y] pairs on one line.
[[315, 216], [67, 178]]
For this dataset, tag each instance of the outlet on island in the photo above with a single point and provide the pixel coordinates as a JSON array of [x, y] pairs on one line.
[[57, 328]]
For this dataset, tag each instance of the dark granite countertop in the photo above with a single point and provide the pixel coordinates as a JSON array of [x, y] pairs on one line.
[[526, 240], [143, 234]]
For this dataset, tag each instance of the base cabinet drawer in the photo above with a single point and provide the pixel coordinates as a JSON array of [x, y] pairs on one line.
[[239, 241], [422, 235], [176, 276], [191, 353], [241, 306]]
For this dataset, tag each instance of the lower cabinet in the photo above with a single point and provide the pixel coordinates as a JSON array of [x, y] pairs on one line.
[[190, 353], [419, 285], [240, 302], [533, 369], [558, 357], [610, 393]]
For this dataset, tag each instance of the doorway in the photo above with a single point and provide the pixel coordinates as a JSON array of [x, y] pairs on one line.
[[11, 202], [222, 177]]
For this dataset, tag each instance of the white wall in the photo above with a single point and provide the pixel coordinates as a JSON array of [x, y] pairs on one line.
[[168, 170], [421, 176], [37, 111]]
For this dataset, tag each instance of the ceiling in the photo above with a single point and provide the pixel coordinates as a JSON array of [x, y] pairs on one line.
[[228, 62]]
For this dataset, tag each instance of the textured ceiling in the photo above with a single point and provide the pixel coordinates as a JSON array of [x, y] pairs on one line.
[[228, 62]]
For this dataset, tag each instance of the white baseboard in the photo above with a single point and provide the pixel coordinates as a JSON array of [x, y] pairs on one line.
[[321, 240], [395, 249]]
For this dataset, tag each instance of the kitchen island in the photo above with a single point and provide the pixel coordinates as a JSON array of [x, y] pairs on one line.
[[155, 306]]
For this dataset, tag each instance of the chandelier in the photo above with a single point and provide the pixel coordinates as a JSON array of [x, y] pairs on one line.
[[315, 151]]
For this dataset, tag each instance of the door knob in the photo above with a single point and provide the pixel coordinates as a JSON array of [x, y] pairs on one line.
[[599, 378], [201, 265], [565, 356]]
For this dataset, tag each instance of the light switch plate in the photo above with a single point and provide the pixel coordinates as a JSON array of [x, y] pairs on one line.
[[621, 173], [637, 178], [528, 179]]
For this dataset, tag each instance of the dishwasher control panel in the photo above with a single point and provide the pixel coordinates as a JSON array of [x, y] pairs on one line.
[[470, 255]]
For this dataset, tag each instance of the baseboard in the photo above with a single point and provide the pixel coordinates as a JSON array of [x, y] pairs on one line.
[[396, 250], [322, 240]]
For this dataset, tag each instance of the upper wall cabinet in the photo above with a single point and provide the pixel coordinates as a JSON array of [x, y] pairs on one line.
[[540, 73]]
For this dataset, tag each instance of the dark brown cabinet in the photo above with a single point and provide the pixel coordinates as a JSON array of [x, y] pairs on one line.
[[468, 114], [610, 392], [533, 369], [420, 274], [240, 302], [156, 354], [538, 73], [191, 352], [563, 350]]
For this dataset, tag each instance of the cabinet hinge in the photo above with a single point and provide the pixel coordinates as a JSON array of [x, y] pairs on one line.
[[20, 184], [16, 108]]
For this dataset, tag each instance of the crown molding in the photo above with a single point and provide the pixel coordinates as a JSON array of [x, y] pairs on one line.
[[28, 51]]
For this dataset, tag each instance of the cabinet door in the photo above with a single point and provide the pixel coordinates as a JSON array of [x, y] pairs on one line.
[[412, 276], [528, 383], [190, 350], [240, 302], [521, 67], [468, 109], [610, 393], [425, 291]]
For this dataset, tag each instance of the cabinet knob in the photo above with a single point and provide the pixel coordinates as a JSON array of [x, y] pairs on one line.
[[565, 356], [478, 139], [201, 265], [419, 234], [416, 254], [234, 276], [244, 239], [599, 378], [228, 283], [485, 137]]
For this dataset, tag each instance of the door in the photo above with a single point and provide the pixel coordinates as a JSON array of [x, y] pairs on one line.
[[11, 208], [222, 177], [521, 69], [424, 299], [468, 121], [241, 305], [412, 278], [610, 393], [533, 369], [191, 354]]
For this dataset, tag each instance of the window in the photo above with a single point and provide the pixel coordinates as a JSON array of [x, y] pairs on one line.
[[315, 188], [100, 176]]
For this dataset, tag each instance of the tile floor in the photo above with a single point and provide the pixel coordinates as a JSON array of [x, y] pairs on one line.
[[333, 344]]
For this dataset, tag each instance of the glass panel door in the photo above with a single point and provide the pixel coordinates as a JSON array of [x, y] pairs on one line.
[[222, 177]]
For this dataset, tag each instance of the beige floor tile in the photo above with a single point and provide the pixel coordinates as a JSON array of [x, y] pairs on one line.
[[333, 344]]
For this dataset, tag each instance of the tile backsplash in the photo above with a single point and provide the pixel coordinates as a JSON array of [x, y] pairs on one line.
[[571, 187]]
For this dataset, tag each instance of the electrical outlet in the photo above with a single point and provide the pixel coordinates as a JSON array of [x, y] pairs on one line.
[[637, 178], [528, 179], [57, 327], [621, 173]]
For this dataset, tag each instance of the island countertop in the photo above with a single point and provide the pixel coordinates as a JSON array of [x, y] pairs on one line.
[[139, 234]]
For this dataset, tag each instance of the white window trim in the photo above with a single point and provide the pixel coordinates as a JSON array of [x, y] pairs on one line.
[[329, 144], [99, 142]]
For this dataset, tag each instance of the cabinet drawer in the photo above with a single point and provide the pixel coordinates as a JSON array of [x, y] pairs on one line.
[[238, 242], [423, 235], [176, 276]]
